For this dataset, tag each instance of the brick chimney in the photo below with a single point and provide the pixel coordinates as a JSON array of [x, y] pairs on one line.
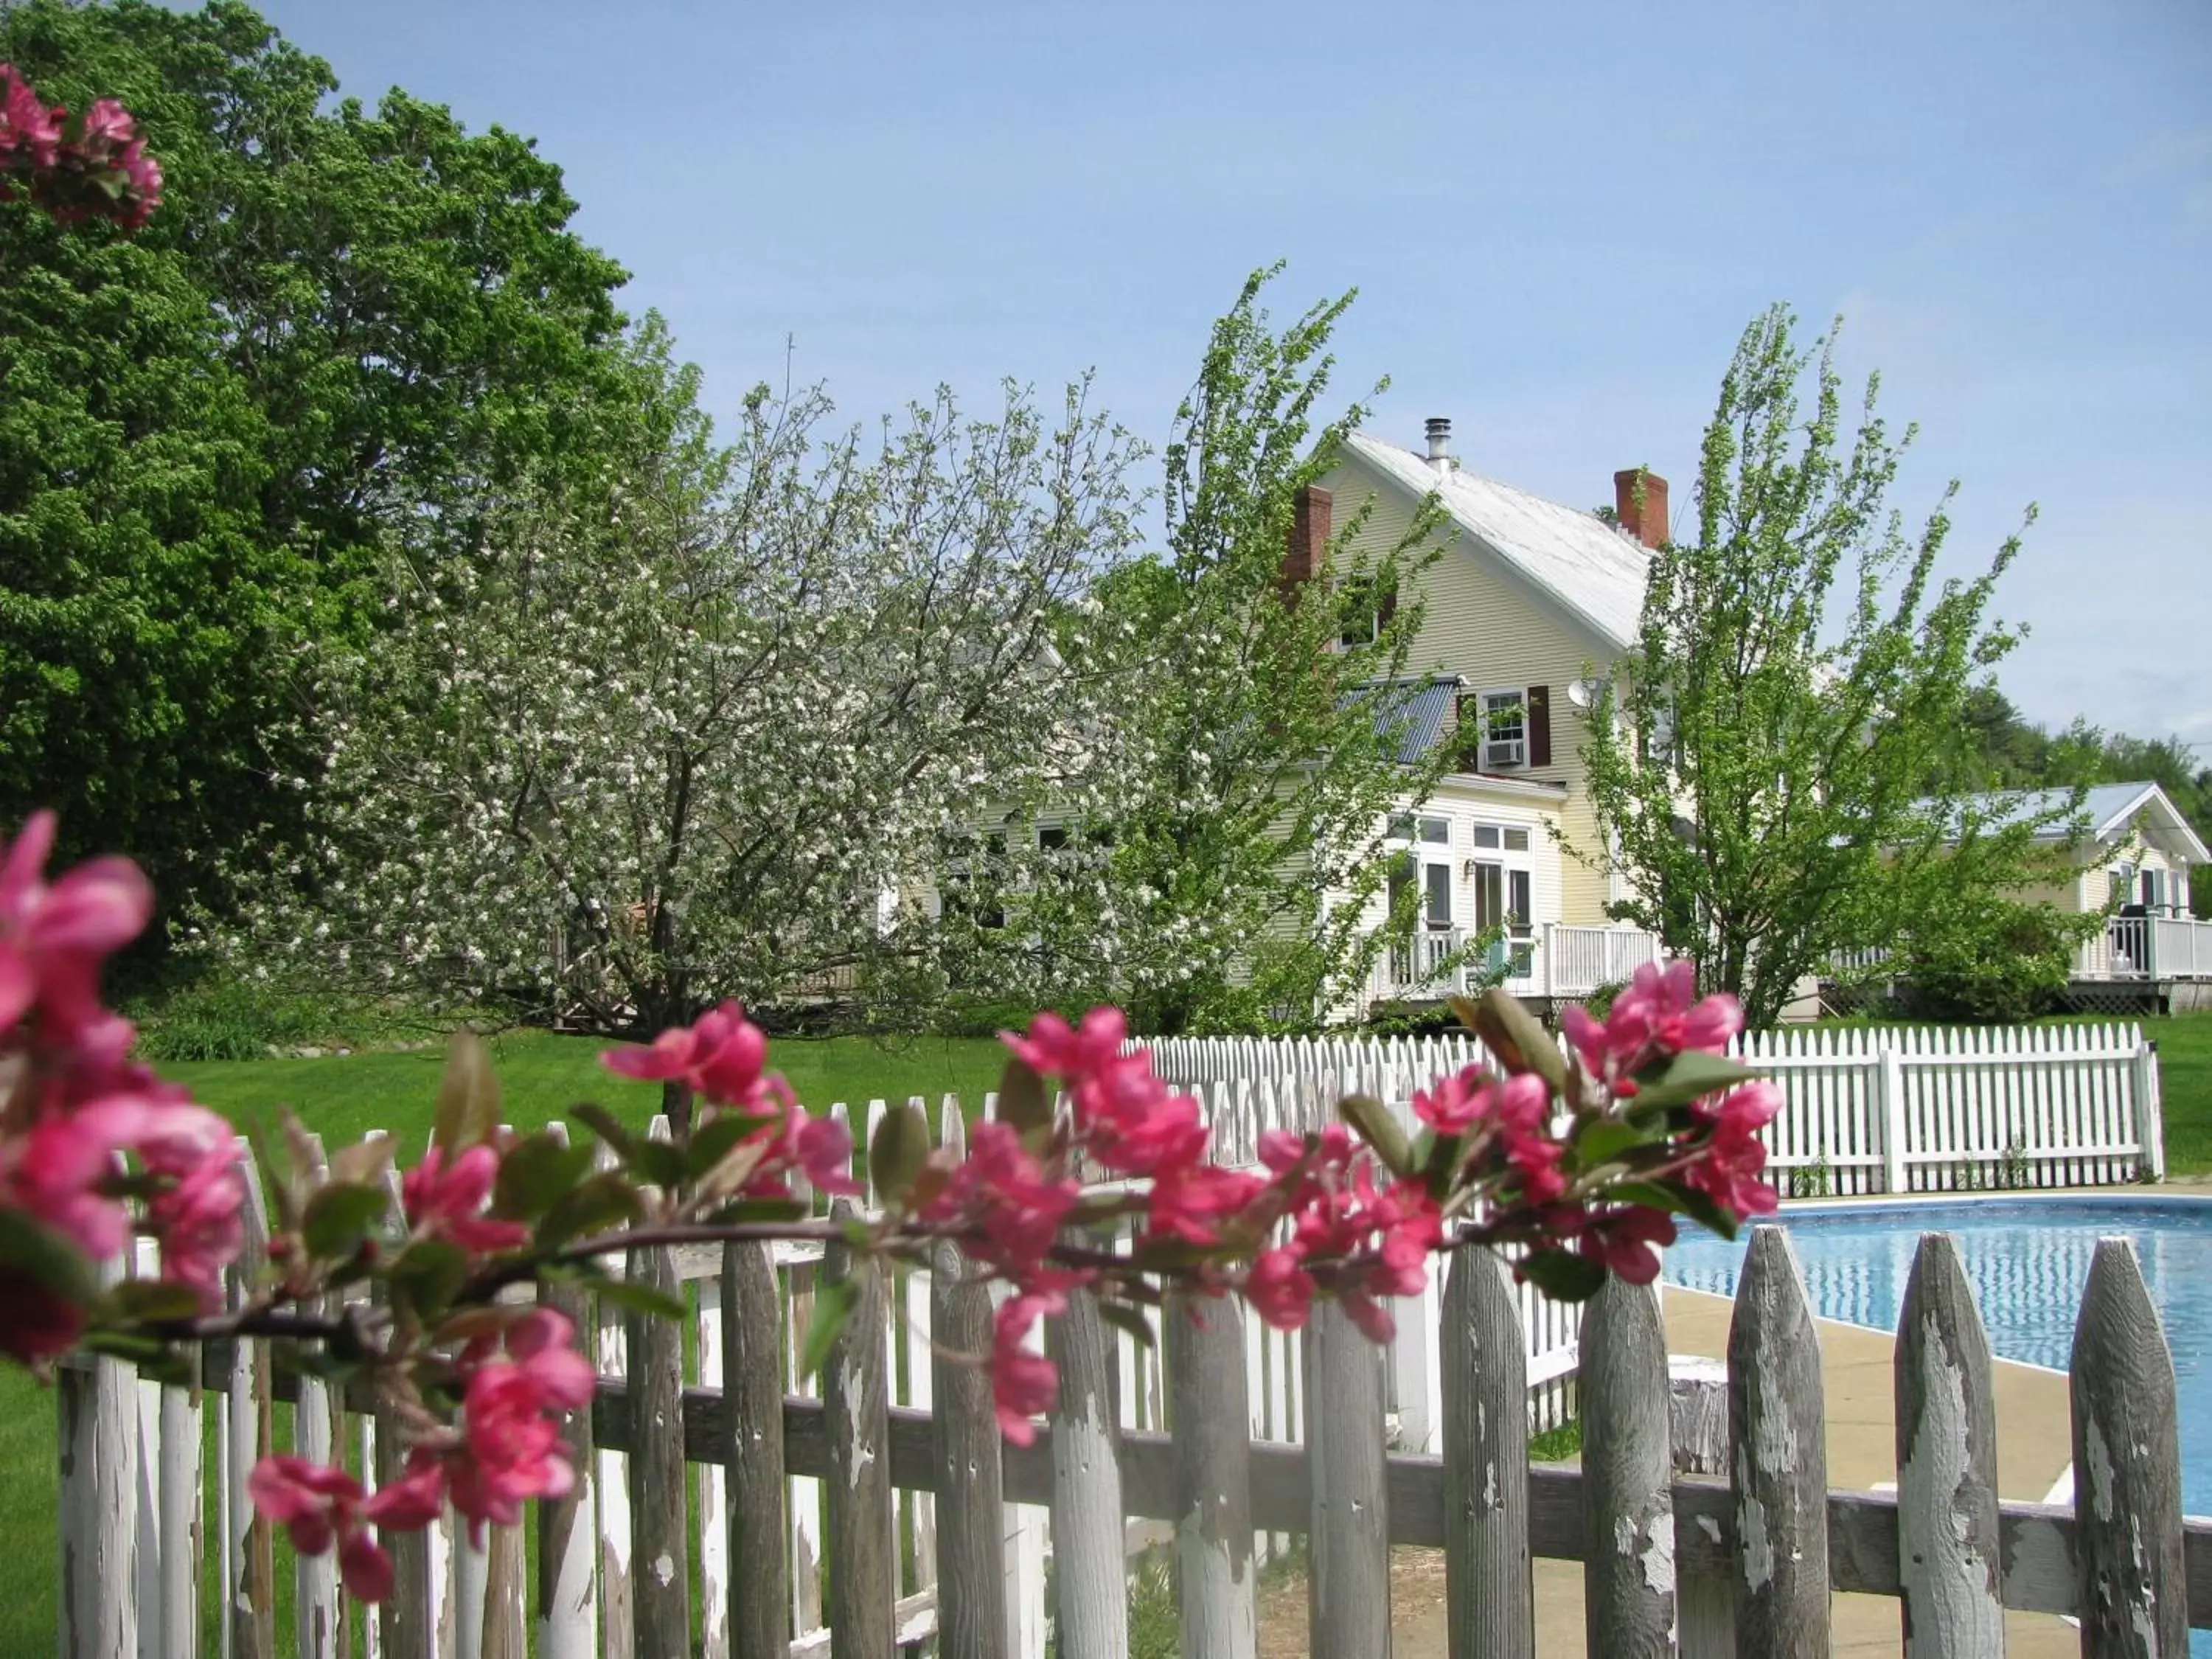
[[1647, 523], [1311, 513]]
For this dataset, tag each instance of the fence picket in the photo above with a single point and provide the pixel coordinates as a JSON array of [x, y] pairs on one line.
[[1697, 1409], [1778, 1457], [1091, 1598], [660, 1583], [971, 1538], [1205, 1344], [863, 1551], [1628, 1566], [2127, 1468], [567, 1607], [1946, 1496], [1348, 1592], [1489, 1578], [753, 1480]]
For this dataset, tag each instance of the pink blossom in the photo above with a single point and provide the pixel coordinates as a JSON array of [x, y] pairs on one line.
[[720, 1055], [105, 124], [51, 1172], [822, 1149], [1023, 1381], [27, 126], [200, 1223], [1729, 1169], [54, 938], [1658, 1015], [317, 1505], [416, 1499], [448, 1203], [1003, 1192], [1626, 1240], [511, 1450], [1053, 1048], [1280, 1291], [1187, 1200], [543, 1343]]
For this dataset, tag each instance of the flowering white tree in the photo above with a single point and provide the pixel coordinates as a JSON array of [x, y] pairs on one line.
[[1220, 858], [686, 736]]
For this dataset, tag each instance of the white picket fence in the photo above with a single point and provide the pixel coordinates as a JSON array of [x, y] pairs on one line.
[[1866, 1109]]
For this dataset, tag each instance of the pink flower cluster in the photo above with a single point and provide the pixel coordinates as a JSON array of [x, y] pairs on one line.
[[76, 1106], [507, 1450], [1659, 1015], [1380, 1235], [721, 1058], [86, 167]]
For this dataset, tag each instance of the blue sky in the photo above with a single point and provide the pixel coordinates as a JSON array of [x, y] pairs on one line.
[[1558, 219]]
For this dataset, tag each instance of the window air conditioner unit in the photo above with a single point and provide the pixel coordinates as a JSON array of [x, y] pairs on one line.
[[1511, 752]]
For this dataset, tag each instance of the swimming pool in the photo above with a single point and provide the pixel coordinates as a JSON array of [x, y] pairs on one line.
[[2027, 1259]]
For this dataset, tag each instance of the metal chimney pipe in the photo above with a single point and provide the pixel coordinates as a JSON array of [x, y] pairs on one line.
[[1440, 442]]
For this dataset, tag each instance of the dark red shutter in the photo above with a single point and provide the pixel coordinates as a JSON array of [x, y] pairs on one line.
[[1540, 725], [1387, 609]]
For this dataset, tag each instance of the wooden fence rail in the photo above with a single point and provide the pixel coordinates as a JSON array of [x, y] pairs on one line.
[[889, 1513], [2122, 1560]]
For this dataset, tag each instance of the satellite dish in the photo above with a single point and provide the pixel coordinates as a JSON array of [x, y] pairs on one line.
[[1582, 693]]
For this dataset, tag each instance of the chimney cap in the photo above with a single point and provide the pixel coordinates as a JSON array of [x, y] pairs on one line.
[[1439, 435]]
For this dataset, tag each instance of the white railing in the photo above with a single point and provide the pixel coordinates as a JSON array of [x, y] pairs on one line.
[[1576, 961], [2149, 947], [1562, 962]]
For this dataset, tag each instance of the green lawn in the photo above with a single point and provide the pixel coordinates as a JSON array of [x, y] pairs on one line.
[[343, 1097], [2184, 1070]]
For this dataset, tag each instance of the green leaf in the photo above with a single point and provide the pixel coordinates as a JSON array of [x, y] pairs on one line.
[[1688, 1076], [468, 1096], [151, 1301], [1518, 1038], [641, 1298], [1371, 1121], [833, 1301], [1024, 1102], [427, 1274], [660, 1162], [604, 1124], [140, 1348], [595, 1205], [1562, 1277], [338, 1217], [1700, 1208], [761, 1210], [534, 1174], [1603, 1139], [896, 1152], [713, 1140], [1123, 1317], [43, 1254]]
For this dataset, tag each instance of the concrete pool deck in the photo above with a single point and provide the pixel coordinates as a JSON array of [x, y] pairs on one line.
[[2033, 1440]]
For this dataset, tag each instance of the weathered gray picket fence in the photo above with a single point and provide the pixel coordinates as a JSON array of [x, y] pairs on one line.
[[888, 1513], [1667, 1554]]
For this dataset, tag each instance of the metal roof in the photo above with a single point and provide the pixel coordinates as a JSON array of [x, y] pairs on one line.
[[1585, 566], [2106, 810]]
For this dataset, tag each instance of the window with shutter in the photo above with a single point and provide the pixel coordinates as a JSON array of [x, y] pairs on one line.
[[1504, 730]]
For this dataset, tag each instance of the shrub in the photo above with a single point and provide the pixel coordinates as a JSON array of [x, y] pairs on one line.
[[2011, 967]]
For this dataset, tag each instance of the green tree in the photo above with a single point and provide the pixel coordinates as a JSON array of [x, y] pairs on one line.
[[1218, 853], [342, 332], [1762, 770]]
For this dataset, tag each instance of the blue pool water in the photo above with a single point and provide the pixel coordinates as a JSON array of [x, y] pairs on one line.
[[2027, 1259]]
